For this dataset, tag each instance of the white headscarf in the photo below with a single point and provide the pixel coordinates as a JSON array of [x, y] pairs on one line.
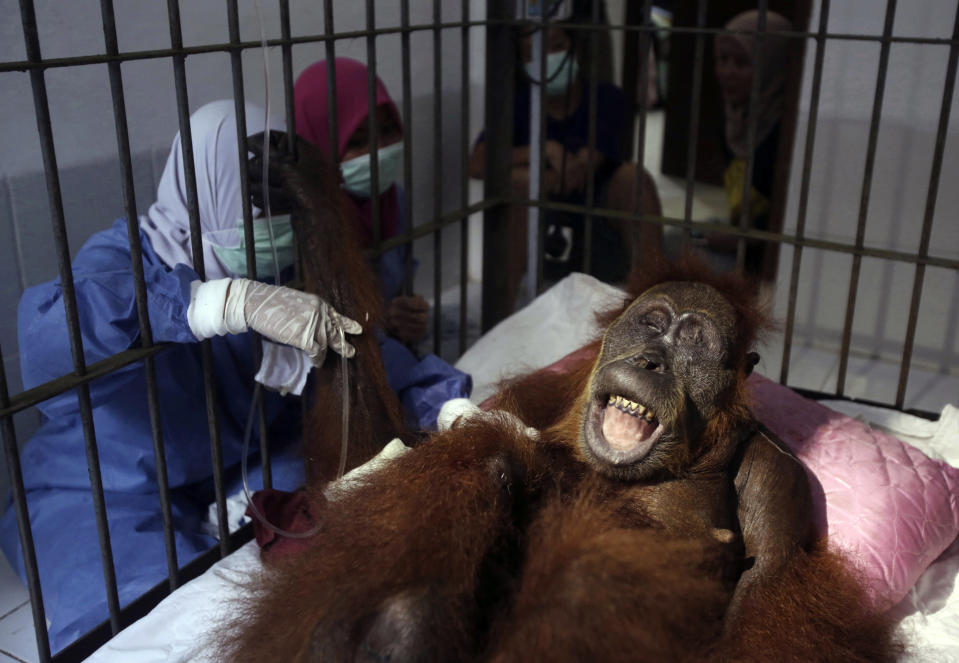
[[216, 160], [772, 82]]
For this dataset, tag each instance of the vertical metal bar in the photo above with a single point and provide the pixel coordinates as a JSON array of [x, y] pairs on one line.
[[541, 156], [644, 46], [373, 126], [631, 71], [331, 81], [286, 34], [535, 165], [239, 109], [500, 71], [593, 93], [55, 200], [744, 212], [804, 188], [932, 194], [19, 494], [464, 179], [139, 285], [864, 199], [437, 177], [193, 206], [407, 143], [691, 150]]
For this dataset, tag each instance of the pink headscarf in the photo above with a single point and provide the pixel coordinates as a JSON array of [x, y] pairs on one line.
[[352, 109]]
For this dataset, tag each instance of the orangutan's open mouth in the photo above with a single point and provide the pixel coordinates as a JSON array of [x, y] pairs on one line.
[[621, 430]]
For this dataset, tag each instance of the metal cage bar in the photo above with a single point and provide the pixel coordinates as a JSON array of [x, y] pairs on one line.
[[239, 109], [27, 65], [929, 212], [193, 207], [593, 96], [500, 72], [11, 453], [804, 190], [644, 48], [374, 132], [694, 104], [55, 200], [464, 178], [408, 263], [331, 81], [866, 188], [437, 178], [744, 212], [139, 286]]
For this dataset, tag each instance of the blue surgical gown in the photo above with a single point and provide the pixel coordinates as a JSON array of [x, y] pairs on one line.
[[54, 461]]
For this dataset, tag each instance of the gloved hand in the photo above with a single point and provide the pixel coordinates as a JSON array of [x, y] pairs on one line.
[[281, 314]]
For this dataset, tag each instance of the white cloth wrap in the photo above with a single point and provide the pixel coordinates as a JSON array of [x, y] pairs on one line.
[[458, 411], [209, 314], [284, 368]]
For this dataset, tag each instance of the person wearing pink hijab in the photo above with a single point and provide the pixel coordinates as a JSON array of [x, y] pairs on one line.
[[407, 316]]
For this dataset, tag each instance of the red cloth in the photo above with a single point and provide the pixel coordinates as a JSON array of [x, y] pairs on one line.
[[352, 110], [286, 511]]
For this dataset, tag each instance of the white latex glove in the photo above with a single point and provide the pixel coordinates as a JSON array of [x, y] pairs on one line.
[[281, 314], [457, 411]]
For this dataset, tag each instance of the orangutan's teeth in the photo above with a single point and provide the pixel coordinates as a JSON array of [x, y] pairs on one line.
[[642, 409], [649, 416]]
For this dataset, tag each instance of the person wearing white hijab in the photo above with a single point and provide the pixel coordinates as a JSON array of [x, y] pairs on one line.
[[735, 71], [183, 309]]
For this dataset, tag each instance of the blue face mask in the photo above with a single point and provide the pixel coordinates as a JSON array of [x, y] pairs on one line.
[[357, 178], [561, 71], [234, 257]]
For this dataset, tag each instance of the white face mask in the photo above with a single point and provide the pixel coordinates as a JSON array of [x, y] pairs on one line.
[[357, 177], [561, 71]]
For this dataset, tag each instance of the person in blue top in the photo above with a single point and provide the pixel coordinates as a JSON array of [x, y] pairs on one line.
[[566, 104], [297, 329]]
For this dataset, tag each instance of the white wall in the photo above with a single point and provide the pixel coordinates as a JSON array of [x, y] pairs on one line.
[[910, 114]]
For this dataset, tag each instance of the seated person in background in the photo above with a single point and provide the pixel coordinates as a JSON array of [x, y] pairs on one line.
[[734, 71], [566, 103], [407, 315]]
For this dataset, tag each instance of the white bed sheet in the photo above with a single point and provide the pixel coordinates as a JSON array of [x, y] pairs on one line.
[[556, 323]]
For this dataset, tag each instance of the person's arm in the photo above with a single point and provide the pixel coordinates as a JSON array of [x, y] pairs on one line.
[[106, 305]]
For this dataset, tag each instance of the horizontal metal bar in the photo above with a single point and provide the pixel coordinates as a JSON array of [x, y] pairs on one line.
[[51, 63], [65, 383], [427, 228], [825, 395], [765, 235], [83, 647], [792, 34], [81, 60]]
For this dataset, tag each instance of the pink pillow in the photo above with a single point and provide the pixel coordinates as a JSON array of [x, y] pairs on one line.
[[888, 507]]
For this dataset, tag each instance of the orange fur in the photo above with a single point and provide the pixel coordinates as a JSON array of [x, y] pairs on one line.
[[485, 545]]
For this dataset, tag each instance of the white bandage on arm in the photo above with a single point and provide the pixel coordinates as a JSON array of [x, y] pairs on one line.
[[452, 410], [458, 411], [216, 307]]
